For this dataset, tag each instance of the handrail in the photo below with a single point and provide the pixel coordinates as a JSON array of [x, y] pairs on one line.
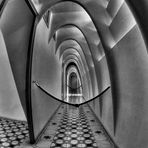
[[76, 105], [38, 85], [87, 101]]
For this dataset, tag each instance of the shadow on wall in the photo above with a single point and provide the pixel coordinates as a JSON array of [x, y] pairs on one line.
[[10, 106]]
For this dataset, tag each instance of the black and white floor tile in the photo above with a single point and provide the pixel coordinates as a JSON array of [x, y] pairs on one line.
[[74, 130], [12, 133], [48, 135], [71, 127], [102, 138]]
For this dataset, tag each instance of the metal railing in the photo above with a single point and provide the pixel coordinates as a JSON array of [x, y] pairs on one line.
[[62, 101]]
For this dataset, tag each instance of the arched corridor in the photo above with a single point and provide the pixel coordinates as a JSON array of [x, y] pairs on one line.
[[73, 73]]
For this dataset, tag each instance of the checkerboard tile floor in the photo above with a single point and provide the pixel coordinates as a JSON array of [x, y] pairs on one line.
[[12, 133]]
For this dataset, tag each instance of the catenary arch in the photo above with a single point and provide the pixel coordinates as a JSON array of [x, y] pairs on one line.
[[83, 58], [118, 55], [86, 89], [69, 36], [84, 71], [30, 61], [70, 71], [80, 64], [108, 43], [64, 44], [71, 53], [72, 75], [68, 44], [92, 47]]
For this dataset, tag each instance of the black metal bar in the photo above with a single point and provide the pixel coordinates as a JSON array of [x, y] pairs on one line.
[[37, 84], [76, 105], [95, 96]]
